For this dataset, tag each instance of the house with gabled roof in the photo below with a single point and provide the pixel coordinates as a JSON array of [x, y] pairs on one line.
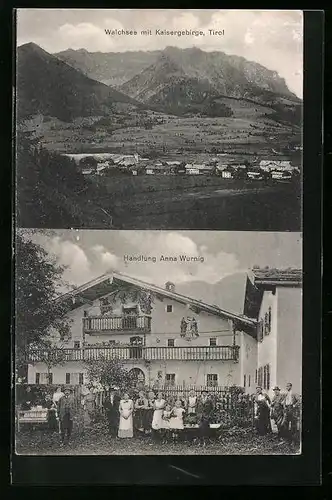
[[161, 334], [273, 298], [154, 331]]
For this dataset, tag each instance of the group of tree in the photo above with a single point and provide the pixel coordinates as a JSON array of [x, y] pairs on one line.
[[41, 323], [52, 191]]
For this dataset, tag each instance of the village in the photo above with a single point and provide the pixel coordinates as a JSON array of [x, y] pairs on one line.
[[222, 165]]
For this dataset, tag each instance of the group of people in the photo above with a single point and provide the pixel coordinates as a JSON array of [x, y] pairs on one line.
[[154, 414], [163, 417], [282, 409]]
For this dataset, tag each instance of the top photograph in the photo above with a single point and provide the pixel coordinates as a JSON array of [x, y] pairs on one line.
[[159, 119]]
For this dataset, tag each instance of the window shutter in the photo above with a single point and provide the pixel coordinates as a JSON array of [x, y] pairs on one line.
[[50, 378], [264, 377], [244, 380], [67, 378], [267, 376], [81, 379], [37, 378]]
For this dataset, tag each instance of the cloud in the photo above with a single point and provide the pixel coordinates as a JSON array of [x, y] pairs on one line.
[[273, 38]]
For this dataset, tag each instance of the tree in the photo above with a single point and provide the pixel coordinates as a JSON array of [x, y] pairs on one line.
[[37, 310], [108, 373]]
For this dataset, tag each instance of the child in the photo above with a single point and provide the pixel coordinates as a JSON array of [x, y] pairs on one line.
[[167, 413], [176, 420]]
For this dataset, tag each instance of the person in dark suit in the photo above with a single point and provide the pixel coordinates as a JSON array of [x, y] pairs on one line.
[[204, 413], [66, 415], [111, 406]]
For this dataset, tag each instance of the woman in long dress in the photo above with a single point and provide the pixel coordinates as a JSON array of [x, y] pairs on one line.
[[191, 408], [148, 414], [126, 409], [141, 405], [157, 421], [262, 412], [89, 408]]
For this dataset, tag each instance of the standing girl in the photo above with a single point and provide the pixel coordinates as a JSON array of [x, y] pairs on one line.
[[176, 421], [167, 413], [126, 409], [157, 421]]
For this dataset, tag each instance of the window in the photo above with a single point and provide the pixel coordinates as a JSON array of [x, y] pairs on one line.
[[37, 378], [249, 380], [260, 376], [170, 378], [81, 378], [260, 331], [43, 378], [267, 322], [169, 308], [244, 380], [212, 379], [67, 378], [264, 377], [213, 341], [77, 345], [170, 342], [256, 379], [50, 378]]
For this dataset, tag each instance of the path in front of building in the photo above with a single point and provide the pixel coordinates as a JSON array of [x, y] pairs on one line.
[[41, 442]]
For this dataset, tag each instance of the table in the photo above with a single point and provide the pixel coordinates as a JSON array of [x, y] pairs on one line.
[[33, 416]]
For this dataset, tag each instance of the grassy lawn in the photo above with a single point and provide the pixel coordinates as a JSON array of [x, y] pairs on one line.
[[234, 441]]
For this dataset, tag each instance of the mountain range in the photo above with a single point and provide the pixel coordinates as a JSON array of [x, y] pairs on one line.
[[174, 81], [48, 86], [228, 293], [111, 68]]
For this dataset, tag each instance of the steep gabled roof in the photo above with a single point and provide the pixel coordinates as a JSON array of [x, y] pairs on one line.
[[280, 277], [267, 279], [109, 282]]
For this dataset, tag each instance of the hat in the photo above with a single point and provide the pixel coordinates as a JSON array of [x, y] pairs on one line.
[[276, 388]]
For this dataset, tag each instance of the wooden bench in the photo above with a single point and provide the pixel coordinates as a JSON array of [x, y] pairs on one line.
[[33, 417]]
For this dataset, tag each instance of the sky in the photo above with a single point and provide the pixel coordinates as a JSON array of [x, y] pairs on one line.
[[273, 38], [91, 253]]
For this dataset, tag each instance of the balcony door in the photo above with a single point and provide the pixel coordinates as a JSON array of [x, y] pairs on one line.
[[135, 350], [137, 376], [129, 320]]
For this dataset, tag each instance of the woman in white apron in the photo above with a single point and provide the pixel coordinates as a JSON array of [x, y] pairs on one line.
[[157, 421], [126, 409]]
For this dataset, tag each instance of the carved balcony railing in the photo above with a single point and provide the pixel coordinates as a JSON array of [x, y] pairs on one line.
[[130, 353], [104, 324]]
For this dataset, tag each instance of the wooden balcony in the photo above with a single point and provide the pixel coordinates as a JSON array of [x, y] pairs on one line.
[[97, 325], [130, 353]]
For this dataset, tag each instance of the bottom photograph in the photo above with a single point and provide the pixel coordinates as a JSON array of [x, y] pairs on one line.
[[158, 343]]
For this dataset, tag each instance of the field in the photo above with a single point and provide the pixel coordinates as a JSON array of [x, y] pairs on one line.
[[235, 441], [172, 135], [202, 202]]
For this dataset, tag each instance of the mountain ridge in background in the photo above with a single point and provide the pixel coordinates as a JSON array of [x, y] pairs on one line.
[[180, 81], [228, 293], [49, 86]]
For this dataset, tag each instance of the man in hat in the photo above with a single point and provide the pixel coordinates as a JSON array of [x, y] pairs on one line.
[[111, 405], [204, 413], [291, 403], [278, 410], [66, 415]]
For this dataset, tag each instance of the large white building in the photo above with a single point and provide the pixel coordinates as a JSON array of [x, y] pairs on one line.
[[161, 334]]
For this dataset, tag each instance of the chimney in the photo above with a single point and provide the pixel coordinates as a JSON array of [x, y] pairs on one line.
[[170, 287]]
